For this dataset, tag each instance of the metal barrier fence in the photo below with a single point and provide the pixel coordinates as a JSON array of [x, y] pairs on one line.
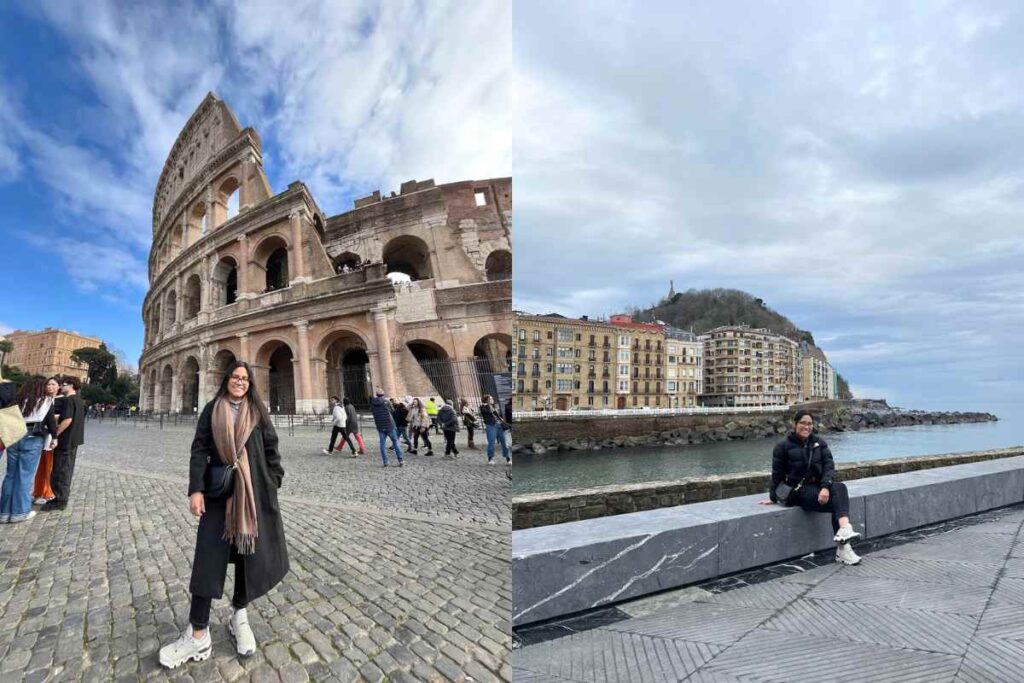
[[648, 412], [468, 379]]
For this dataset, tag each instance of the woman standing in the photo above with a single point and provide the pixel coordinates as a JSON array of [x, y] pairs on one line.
[[244, 528], [449, 422], [23, 456], [41, 491], [468, 421], [419, 423], [495, 428], [352, 423], [804, 462]]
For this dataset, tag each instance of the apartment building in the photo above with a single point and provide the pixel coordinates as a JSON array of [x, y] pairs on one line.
[[817, 378], [561, 363], [684, 368], [47, 352], [646, 352], [745, 367]]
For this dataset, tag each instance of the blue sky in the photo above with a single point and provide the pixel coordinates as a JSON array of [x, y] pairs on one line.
[[858, 165], [347, 97]]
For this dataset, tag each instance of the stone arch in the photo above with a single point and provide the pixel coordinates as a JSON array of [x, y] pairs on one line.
[[347, 365], [348, 259], [191, 297], [171, 308], [166, 382], [189, 379], [228, 194], [436, 364], [410, 255], [270, 258], [155, 318], [151, 391], [277, 375], [496, 349], [224, 282], [499, 265], [198, 223]]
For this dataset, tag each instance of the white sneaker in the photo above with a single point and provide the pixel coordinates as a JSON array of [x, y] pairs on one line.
[[845, 554], [41, 501], [845, 534], [24, 518], [238, 626], [186, 648], [325, 452]]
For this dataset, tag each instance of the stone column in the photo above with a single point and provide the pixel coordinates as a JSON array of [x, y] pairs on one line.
[[387, 370], [158, 392], [178, 298], [318, 383], [143, 385], [261, 373], [204, 361], [184, 230], [243, 350], [175, 393], [243, 268], [213, 217], [298, 261], [245, 193], [303, 400]]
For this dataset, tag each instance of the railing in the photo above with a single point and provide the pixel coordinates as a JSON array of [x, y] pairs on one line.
[[647, 412]]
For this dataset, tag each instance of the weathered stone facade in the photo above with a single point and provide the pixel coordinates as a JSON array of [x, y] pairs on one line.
[[304, 297]]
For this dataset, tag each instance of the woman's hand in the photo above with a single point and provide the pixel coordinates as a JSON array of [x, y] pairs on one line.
[[823, 496], [197, 503], [766, 501]]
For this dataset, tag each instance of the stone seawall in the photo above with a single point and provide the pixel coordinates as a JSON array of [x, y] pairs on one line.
[[542, 509], [559, 432]]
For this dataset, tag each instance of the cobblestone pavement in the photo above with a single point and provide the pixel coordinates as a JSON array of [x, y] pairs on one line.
[[942, 604], [390, 579]]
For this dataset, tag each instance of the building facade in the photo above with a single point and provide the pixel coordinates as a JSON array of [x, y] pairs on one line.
[[745, 367], [409, 292], [47, 352], [817, 378], [646, 344], [684, 368]]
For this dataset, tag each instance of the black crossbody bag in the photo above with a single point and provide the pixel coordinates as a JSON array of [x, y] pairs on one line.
[[219, 480], [783, 491]]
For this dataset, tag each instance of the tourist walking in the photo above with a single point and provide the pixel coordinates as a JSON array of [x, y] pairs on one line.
[[803, 462], [449, 422], [400, 410], [70, 435], [419, 424], [495, 428], [41, 491], [432, 414], [468, 421], [339, 421], [23, 455], [352, 423], [385, 423], [240, 526]]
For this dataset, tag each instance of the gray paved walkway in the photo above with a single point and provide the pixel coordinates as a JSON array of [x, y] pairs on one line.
[[947, 607], [397, 574]]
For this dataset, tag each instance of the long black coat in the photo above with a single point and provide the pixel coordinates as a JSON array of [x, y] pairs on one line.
[[267, 566], [790, 462]]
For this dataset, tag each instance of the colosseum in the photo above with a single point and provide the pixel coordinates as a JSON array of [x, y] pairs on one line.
[[410, 292]]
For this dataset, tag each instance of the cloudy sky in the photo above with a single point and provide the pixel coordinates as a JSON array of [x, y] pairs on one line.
[[348, 97], [859, 166]]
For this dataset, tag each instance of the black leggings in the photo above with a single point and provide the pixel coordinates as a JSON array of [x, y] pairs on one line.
[[838, 503], [335, 431], [199, 615], [423, 435], [449, 443]]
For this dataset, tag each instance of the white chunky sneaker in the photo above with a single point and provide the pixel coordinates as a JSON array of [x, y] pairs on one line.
[[186, 648], [845, 554], [845, 534], [238, 626]]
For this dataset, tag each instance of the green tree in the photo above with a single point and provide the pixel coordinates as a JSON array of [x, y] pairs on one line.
[[843, 388], [94, 393], [102, 364]]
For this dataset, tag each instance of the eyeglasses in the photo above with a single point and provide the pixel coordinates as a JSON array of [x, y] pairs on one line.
[[240, 380], [805, 423]]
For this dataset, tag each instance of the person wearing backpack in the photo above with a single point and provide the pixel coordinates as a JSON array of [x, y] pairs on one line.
[[449, 422]]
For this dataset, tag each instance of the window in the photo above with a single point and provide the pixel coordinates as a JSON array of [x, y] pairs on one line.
[[565, 368], [624, 385], [481, 198], [565, 352], [536, 336], [671, 387], [623, 356], [522, 335], [623, 371], [623, 341], [565, 335], [564, 385]]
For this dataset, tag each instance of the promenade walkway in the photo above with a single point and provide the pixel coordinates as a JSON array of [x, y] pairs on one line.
[[939, 604], [396, 574]]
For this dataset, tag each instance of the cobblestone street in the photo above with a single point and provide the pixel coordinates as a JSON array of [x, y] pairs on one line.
[[396, 574]]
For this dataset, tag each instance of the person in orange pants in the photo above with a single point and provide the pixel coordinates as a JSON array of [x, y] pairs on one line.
[[41, 491]]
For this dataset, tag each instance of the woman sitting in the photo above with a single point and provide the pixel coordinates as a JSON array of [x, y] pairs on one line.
[[803, 461]]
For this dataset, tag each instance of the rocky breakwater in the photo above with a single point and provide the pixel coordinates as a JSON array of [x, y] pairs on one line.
[[591, 433]]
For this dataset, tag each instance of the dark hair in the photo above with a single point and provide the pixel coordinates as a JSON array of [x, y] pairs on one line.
[[334, 398], [72, 380], [345, 401], [31, 393], [252, 394], [801, 414]]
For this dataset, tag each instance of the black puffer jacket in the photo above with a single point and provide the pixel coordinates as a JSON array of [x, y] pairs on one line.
[[790, 459]]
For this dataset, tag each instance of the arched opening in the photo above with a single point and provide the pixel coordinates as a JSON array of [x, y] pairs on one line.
[[191, 298], [166, 380], [281, 381], [221, 362], [155, 321], [271, 256], [347, 262], [437, 366], [492, 361], [172, 307], [499, 265], [348, 370], [198, 223], [228, 196], [408, 255], [151, 391], [190, 386], [318, 225], [224, 282]]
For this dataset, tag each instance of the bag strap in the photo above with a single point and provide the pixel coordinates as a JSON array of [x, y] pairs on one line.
[[807, 470]]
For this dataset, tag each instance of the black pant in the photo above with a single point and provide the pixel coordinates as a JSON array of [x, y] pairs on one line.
[[469, 435], [344, 435], [62, 473], [838, 503], [449, 443], [418, 434], [199, 615], [433, 424]]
